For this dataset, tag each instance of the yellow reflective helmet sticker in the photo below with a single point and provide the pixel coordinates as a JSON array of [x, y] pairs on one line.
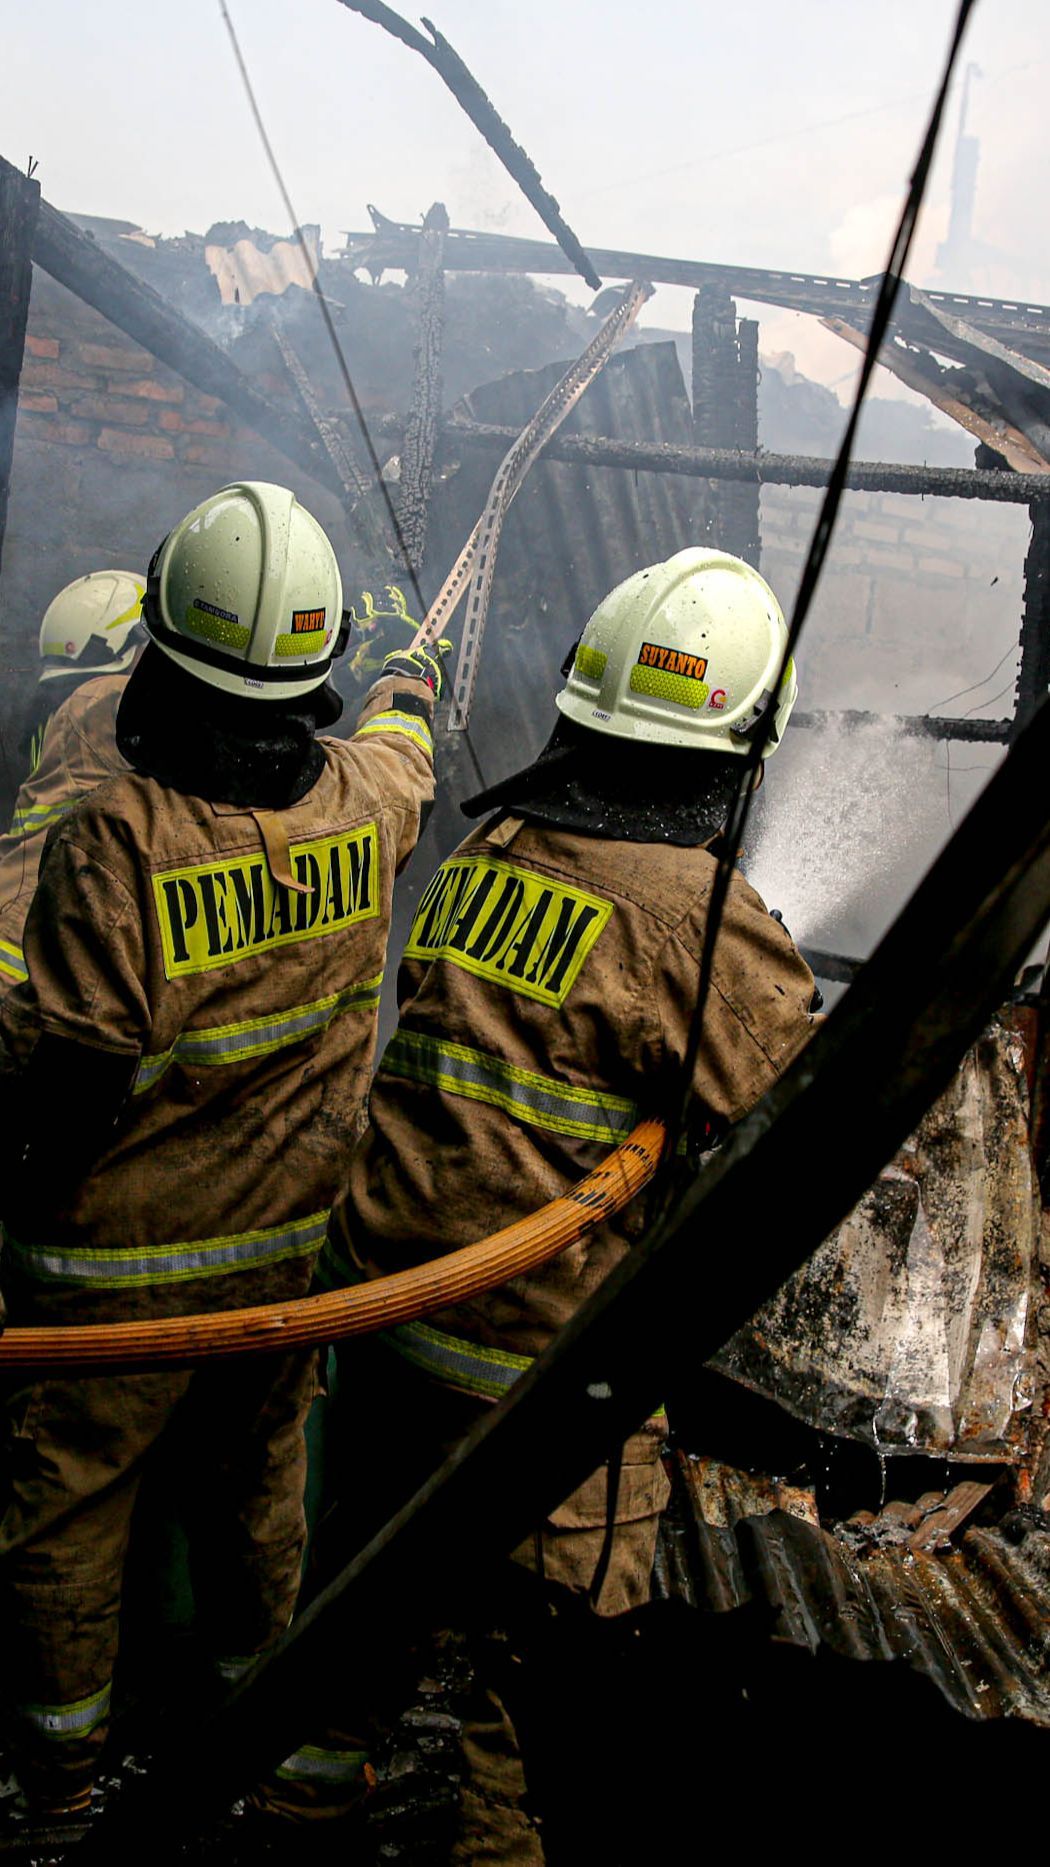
[[518, 929], [215, 914]]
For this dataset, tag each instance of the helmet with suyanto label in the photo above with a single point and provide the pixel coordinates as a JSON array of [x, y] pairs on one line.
[[686, 653], [245, 594]]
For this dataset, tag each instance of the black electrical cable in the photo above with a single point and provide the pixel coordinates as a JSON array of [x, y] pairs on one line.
[[329, 323], [814, 564]]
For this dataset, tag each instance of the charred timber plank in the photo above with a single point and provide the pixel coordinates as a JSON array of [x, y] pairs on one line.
[[421, 428], [887, 1050], [19, 207], [920, 371], [755, 469], [482, 113], [1033, 673], [81, 265], [913, 725]]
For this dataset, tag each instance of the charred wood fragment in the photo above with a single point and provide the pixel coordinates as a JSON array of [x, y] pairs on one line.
[[421, 429], [19, 206], [467, 91]]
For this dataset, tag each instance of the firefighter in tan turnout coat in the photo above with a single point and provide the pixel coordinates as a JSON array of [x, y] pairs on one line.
[[546, 997], [89, 638], [197, 1027]]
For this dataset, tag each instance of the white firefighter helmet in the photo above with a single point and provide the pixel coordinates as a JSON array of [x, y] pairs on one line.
[[245, 594], [685, 653], [87, 628]]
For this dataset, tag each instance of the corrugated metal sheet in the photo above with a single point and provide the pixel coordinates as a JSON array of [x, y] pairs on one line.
[[243, 272], [913, 1327], [569, 537], [971, 1617]]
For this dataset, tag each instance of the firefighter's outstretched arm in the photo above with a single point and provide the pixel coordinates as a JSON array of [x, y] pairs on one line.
[[396, 724]]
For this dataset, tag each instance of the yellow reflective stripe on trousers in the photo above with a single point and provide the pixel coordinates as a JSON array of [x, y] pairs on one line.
[[484, 1372], [12, 964], [127, 1267], [254, 1037], [587, 1114], [315, 1764], [412, 725], [37, 816], [77, 1719]]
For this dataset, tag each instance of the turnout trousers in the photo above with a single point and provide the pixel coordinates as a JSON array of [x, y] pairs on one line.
[[73, 1455], [392, 1427]]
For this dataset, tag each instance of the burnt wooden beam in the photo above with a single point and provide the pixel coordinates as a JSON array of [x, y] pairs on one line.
[[19, 207], [913, 725], [887, 1050], [391, 246], [1033, 673], [83, 267], [595, 450], [467, 92], [354, 481], [421, 428], [920, 371]]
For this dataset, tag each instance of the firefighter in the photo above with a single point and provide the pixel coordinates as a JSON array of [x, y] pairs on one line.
[[189, 1057], [89, 637], [546, 999]]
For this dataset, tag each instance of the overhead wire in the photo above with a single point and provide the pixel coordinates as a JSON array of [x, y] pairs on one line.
[[739, 810], [333, 336]]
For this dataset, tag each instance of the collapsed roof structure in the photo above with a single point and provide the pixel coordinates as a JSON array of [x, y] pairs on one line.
[[618, 485]]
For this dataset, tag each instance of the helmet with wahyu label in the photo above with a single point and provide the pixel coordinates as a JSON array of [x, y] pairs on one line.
[[245, 593], [686, 653], [91, 627]]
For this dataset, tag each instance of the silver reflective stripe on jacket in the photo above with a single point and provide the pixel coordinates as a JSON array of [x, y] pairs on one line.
[[255, 1037], [411, 725], [124, 1269], [589, 1114], [484, 1372], [78, 1719]]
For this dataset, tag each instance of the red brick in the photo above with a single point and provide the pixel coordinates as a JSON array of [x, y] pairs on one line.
[[46, 428], [107, 408], [170, 419], [43, 402], [207, 404], [56, 376], [205, 427], [108, 357], [206, 454], [119, 441], [42, 346], [154, 391]]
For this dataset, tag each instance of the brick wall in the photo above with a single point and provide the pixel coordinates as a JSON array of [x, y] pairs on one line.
[[111, 448], [920, 598]]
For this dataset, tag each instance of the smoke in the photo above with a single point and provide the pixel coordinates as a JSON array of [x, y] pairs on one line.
[[849, 819]]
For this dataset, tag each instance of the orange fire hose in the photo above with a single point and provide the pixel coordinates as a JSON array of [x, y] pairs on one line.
[[378, 1304]]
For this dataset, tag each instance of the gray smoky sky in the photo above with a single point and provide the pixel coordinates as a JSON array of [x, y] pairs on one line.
[[760, 134]]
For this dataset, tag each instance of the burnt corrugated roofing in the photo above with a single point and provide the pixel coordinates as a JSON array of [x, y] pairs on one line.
[[972, 1617]]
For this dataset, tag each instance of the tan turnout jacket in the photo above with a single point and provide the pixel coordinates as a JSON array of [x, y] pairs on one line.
[[546, 997], [77, 752], [161, 932]]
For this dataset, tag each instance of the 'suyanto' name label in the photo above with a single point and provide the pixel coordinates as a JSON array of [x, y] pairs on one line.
[[509, 925], [217, 913]]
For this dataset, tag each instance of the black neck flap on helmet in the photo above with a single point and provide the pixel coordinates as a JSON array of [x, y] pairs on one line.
[[204, 742], [626, 790]]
